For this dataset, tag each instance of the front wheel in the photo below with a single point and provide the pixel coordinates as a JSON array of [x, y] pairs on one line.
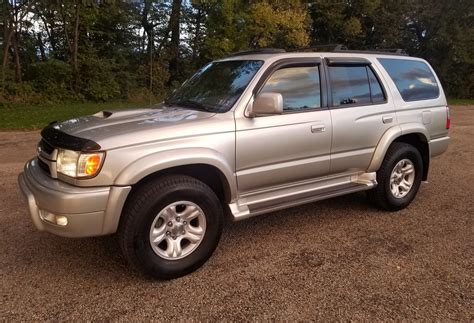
[[398, 178], [170, 226]]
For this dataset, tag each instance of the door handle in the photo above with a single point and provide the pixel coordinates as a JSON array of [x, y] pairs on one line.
[[318, 128], [387, 119]]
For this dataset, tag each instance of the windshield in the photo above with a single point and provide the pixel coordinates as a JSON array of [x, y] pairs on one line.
[[216, 86]]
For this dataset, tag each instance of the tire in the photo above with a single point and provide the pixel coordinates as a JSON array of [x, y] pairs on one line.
[[399, 154], [154, 203]]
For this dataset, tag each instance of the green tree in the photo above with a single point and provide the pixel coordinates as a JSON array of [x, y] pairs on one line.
[[62, 50], [237, 25]]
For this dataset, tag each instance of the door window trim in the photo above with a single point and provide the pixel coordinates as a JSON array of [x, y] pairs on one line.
[[296, 62], [351, 62]]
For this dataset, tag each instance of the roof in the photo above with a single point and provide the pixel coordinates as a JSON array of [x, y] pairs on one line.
[[271, 53], [264, 53]]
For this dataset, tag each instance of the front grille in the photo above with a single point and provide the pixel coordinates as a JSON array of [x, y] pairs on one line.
[[44, 166], [44, 146]]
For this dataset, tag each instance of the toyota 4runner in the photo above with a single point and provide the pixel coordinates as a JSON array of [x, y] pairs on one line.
[[249, 134]]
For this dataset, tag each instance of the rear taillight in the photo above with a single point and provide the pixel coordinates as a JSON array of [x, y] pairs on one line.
[[448, 118]]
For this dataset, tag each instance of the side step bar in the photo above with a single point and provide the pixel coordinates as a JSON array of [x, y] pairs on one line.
[[274, 200]]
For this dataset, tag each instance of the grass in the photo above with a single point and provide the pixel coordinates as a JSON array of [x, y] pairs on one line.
[[461, 101], [17, 116]]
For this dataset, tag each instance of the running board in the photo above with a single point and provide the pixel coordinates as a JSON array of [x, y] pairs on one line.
[[256, 203]]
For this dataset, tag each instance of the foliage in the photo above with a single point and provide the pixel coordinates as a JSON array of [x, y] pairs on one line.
[[19, 116], [75, 50], [52, 79]]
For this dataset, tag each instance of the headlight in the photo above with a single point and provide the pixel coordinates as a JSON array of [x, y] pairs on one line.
[[77, 164]]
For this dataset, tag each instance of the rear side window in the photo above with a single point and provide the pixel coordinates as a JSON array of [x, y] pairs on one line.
[[376, 91], [414, 79], [356, 85]]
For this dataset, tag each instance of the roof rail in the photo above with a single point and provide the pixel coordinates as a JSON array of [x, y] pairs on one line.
[[340, 48], [335, 48], [323, 47], [386, 51], [258, 51]]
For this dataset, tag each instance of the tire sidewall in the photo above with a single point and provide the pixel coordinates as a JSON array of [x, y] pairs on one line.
[[414, 156], [164, 268]]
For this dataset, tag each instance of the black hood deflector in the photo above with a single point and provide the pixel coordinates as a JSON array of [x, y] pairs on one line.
[[60, 139]]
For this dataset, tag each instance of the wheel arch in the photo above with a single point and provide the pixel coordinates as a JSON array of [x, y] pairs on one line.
[[210, 175], [412, 134], [203, 164]]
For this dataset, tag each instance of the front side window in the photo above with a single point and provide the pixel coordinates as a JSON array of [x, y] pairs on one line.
[[356, 85], [414, 79], [299, 87], [217, 86]]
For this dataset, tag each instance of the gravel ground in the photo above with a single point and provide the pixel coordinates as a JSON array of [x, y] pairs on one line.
[[336, 259]]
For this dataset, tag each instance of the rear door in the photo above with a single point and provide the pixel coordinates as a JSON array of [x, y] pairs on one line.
[[360, 112]]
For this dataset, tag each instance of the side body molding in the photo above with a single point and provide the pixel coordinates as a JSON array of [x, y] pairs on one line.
[[390, 136], [162, 160]]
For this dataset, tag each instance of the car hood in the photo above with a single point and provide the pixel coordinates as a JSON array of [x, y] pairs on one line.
[[113, 128]]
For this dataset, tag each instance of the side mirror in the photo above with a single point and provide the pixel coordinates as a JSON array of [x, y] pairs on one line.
[[269, 103]]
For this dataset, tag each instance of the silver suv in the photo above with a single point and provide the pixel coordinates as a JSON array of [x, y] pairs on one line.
[[249, 134]]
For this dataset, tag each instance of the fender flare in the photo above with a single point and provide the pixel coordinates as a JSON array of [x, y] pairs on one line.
[[162, 160], [390, 136]]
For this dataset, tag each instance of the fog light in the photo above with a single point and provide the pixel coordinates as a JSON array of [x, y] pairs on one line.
[[61, 220], [52, 218]]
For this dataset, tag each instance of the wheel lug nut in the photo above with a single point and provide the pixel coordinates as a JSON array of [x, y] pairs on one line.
[[168, 233], [178, 218], [184, 222], [170, 224]]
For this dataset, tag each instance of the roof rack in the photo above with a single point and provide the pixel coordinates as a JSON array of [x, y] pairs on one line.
[[397, 52], [340, 48], [335, 48], [320, 48], [258, 51]]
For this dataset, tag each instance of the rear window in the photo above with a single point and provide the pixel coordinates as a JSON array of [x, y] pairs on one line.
[[414, 79]]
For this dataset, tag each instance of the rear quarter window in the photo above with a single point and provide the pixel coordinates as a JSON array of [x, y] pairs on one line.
[[414, 79]]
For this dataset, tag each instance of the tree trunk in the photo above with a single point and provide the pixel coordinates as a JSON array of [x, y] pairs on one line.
[[16, 59], [6, 45], [75, 48], [67, 42], [163, 42], [174, 45], [148, 27], [41, 46], [49, 33], [197, 33]]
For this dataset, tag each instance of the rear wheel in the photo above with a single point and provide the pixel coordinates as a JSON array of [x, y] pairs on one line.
[[170, 226], [398, 178]]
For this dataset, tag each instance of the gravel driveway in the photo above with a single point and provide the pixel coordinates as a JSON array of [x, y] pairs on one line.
[[336, 259]]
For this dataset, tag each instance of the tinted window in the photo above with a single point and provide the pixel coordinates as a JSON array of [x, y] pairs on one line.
[[217, 86], [376, 91], [299, 87], [349, 85], [413, 79]]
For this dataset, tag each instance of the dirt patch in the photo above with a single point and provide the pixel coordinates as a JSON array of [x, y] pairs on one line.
[[334, 260]]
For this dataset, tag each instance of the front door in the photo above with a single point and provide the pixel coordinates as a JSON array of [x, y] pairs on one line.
[[295, 146]]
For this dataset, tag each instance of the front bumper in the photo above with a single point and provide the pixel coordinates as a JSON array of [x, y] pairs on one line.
[[68, 210]]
